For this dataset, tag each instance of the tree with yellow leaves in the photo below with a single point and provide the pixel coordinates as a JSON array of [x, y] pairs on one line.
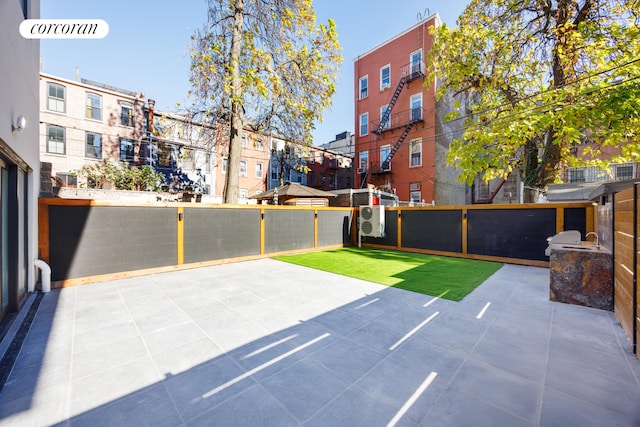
[[267, 65], [545, 85]]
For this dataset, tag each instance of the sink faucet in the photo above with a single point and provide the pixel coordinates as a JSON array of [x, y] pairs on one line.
[[595, 235]]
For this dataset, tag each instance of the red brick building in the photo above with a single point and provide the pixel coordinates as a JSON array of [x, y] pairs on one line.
[[395, 117]]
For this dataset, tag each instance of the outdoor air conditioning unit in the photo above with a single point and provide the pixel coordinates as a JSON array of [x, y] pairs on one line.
[[372, 221]]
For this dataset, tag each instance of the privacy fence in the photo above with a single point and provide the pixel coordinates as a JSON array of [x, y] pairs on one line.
[[625, 256], [87, 240]]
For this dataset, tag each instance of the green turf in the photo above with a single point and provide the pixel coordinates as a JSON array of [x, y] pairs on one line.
[[446, 277]]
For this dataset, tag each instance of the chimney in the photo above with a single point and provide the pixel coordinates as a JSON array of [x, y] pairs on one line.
[[151, 104]]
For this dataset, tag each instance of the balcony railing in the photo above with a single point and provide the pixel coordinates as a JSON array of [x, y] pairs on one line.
[[401, 119], [617, 172]]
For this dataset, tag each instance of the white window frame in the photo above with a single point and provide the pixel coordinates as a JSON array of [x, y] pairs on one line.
[[96, 146], [126, 159], [91, 109], [225, 164], [54, 102], [387, 124], [385, 150], [363, 89], [385, 85], [413, 63], [415, 143], [57, 144], [364, 124], [259, 170], [415, 98], [243, 193], [244, 140], [364, 155], [244, 166], [415, 196], [124, 105]]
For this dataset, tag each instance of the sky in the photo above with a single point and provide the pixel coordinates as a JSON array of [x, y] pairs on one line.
[[146, 49]]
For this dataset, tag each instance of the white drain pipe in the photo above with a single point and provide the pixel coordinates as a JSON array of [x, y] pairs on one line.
[[46, 274]]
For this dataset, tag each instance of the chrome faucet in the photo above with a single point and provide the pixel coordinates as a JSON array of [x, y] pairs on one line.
[[595, 235]]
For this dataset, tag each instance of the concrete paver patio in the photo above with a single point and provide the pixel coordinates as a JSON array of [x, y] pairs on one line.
[[266, 343]]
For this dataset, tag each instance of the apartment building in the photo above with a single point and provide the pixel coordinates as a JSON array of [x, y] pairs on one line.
[[85, 122], [329, 170], [395, 116], [19, 160]]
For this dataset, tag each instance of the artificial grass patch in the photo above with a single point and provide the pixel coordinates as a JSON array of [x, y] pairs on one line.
[[446, 277]]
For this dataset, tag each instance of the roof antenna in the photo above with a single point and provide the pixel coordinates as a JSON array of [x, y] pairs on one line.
[[423, 15]]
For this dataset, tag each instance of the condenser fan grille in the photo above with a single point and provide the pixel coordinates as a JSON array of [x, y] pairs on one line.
[[366, 213]]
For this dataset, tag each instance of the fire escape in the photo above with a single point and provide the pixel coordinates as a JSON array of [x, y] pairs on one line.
[[404, 120]]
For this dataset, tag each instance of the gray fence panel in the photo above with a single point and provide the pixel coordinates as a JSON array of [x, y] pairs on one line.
[[212, 234], [286, 230], [390, 229], [93, 240], [436, 230], [334, 227], [510, 233]]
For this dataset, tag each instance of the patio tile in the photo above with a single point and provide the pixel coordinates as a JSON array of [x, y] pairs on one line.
[[304, 388], [96, 390], [250, 408], [96, 339], [353, 408], [151, 406], [561, 409], [347, 359], [517, 361], [102, 358], [511, 393], [206, 386], [184, 357], [455, 409], [45, 407]]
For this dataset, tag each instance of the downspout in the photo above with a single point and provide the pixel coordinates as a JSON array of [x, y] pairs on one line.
[[46, 275]]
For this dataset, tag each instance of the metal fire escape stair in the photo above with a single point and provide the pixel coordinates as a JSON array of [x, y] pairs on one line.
[[384, 166], [392, 102]]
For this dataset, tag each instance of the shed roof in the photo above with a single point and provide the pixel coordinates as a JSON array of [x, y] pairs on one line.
[[293, 189]]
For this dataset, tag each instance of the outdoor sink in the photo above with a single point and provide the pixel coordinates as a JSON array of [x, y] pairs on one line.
[[583, 246]]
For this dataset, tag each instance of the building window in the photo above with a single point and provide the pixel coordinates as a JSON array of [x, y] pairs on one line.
[[56, 98], [243, 193], [415, 196], [259, 170], [126, 114], [93, 145], [364, 87], [364, 124], [126, 150], [244, 140], [274, 172], [385, 151], [259, 144], [364, 161], [624, 171], [385, 77], [415, 151], [416, 63], [243, 168], [416, 107], [164, 155], [387, 121], [225, 164], [94, 106], [55, 140], [576, 175], [311, 177], [66, 179]]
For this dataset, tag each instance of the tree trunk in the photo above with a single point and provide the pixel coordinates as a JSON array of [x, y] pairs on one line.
[[231, 190]]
